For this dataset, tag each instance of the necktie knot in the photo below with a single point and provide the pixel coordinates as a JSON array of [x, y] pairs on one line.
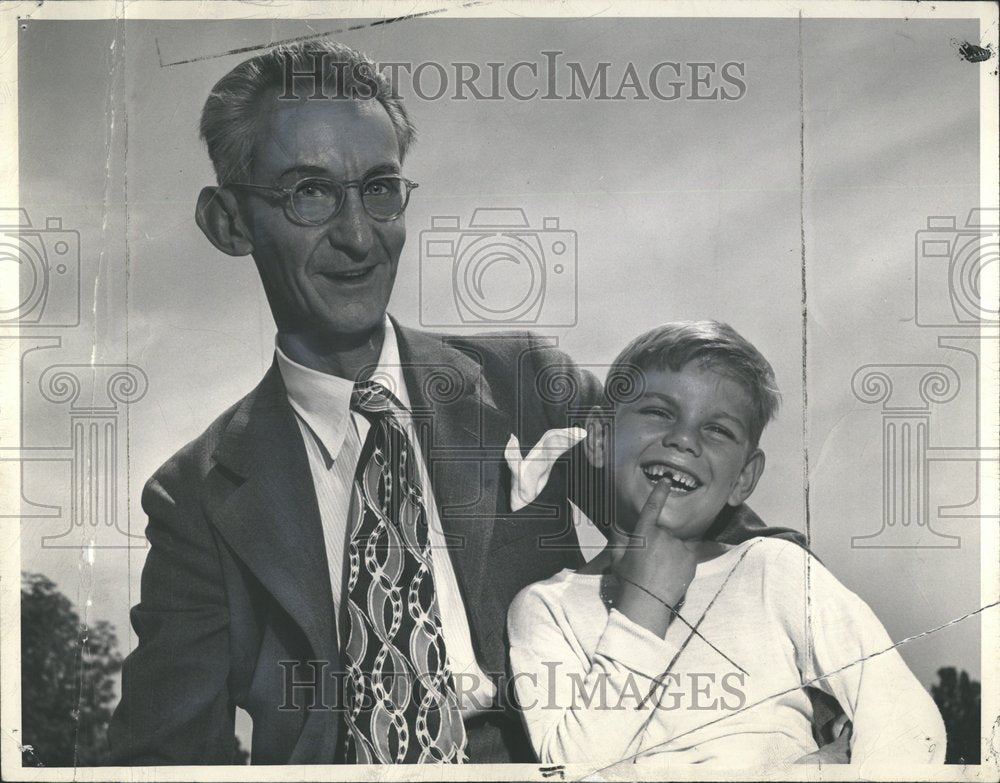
[[372, 398]]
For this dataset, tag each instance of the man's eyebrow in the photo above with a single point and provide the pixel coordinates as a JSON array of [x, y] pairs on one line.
[[382, 168], [309, 171], [318, 171]]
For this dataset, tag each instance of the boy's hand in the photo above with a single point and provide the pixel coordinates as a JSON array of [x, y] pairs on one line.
[[655, 571], [837, 751]]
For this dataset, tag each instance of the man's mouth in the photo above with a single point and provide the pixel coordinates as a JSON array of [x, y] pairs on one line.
[[680, 482], [351, 275]]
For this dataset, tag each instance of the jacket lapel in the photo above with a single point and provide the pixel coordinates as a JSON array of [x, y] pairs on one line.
[[271, 518], [463, 448], [265, 504]]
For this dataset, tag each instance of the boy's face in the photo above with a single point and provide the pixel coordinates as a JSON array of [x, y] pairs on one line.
[[691, 428]]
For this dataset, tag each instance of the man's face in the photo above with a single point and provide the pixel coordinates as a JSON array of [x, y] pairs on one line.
[[333, 279], [690, 428]]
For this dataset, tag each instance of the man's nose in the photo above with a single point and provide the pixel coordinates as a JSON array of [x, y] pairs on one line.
[[350, 230]]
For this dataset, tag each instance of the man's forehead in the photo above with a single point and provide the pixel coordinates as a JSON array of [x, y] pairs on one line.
[[304, 116], [291, 130]]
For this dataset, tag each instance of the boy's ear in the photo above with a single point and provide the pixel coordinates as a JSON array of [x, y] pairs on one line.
[[218, 216], [748, 478], [596, 444]]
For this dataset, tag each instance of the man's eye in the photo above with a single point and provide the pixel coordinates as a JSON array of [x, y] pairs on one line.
[[314, 189], [380, 187]]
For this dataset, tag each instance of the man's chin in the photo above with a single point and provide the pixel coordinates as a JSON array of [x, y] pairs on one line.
[[337, 334], [350, 321], [353, 331]]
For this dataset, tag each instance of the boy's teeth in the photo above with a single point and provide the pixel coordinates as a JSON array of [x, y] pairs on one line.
[[679, 479]]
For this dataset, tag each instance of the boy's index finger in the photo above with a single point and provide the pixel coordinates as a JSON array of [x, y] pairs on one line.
[[654, 504]]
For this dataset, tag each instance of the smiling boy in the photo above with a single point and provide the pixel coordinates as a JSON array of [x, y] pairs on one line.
[[669, 642]]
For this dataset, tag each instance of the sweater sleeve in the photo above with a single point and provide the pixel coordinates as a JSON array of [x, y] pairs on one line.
[[843, 649], [577, 711]]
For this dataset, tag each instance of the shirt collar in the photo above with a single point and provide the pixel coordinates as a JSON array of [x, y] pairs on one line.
[[323, 401]]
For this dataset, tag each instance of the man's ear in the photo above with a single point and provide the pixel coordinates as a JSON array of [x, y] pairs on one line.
[[748, 478], [598, 433], [218, 216]]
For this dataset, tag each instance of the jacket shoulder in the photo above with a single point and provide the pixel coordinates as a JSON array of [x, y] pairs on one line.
[[193, 461], [534, 365], [503, 348]]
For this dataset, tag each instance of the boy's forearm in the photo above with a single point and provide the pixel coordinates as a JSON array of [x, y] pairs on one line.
[[594, 714]]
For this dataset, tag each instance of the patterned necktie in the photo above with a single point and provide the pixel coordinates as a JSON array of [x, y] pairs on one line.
[[400, 702]]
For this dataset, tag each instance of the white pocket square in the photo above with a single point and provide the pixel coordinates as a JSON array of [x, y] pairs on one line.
[[530, 474]]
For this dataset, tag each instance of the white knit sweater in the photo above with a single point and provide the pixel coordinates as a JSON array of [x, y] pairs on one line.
[[581, 669]]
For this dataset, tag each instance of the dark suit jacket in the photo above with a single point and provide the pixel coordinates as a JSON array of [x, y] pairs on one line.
[[235, 590]]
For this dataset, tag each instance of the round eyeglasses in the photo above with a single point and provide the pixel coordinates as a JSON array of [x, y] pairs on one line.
[[315, 200]]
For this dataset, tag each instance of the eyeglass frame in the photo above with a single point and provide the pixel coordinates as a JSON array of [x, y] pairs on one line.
[[286, 195]]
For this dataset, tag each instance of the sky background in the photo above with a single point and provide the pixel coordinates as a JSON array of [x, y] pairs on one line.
[[680, 209]]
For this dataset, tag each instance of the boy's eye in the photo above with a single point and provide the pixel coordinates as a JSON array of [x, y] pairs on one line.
[[718, 429], [662, 413]]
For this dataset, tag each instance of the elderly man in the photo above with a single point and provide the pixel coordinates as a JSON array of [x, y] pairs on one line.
[[337, 552]]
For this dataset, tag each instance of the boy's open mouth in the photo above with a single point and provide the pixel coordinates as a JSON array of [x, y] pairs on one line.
[[680, 482]]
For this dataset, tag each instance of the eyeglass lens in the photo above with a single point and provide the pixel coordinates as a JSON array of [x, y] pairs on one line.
[[316, 200]]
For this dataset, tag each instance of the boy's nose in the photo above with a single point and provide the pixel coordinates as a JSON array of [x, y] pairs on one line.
[[683, 439]]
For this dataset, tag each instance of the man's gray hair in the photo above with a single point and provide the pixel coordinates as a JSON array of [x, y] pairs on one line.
[[320, 70]]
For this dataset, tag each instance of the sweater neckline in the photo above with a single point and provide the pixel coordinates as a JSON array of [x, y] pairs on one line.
[[706, 568]]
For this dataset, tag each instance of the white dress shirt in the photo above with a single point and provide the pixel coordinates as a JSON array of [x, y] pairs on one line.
[[333, 435]]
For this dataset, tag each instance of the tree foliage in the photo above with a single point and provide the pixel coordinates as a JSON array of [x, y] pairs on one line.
[[958, 699], [67, 679]]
